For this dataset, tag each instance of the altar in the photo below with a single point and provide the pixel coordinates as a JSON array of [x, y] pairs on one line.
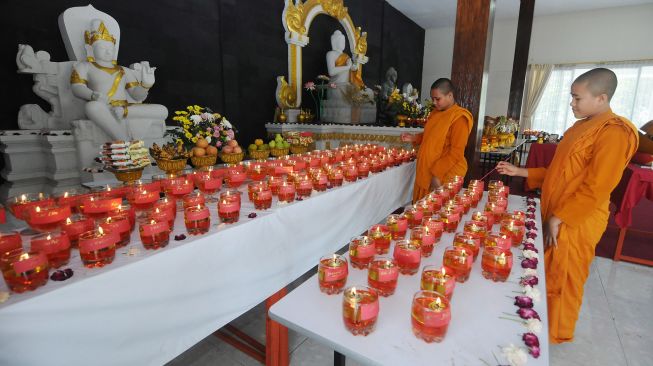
[[327, 136]]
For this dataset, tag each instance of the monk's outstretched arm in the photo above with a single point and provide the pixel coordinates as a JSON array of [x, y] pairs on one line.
[[611, 152], [456, 153], [535, 177]]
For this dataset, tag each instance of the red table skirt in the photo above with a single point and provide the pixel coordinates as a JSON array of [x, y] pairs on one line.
[[635, 184], [539, 156]]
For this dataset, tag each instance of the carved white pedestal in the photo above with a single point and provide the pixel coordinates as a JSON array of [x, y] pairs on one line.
[[336, 112], [38, 163]]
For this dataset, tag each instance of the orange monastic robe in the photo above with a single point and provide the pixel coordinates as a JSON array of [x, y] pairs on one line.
[[442, 150], [355, 76], [587, 165]]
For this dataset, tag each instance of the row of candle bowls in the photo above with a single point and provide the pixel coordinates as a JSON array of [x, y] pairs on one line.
[[430, 311], [99, 221]]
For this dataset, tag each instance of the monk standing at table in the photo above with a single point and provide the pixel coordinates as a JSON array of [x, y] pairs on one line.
[[442, 144], [587, 165]]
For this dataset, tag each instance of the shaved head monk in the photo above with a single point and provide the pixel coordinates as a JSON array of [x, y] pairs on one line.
[[441, 154], [587, 165]]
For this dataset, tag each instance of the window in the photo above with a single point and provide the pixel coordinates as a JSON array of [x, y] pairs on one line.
[[633, 98]]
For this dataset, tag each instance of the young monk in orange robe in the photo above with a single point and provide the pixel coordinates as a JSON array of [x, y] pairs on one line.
[[587, 166], [441, 153]]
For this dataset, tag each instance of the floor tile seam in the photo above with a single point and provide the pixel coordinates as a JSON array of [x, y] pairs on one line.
[[612, 315]]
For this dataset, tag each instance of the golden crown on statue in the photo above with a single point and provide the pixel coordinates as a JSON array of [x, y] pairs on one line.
[[102, 33]]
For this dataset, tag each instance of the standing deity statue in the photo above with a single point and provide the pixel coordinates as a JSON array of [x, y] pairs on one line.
[[389, 84], [106, 86]]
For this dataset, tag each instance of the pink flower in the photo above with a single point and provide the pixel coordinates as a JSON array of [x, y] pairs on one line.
[[218, 144], [530, 340], [531, 235], [526, 313], [530, 281], [230, 134], [529, 263], [523, 301], [534, 351], [309, 85], [528, 246], [332, 85], [216, 133]]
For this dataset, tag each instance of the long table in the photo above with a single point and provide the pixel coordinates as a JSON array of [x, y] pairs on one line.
[[148, 308], [476, 331]]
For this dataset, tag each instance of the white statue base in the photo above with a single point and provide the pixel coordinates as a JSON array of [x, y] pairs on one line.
[[337, 112]]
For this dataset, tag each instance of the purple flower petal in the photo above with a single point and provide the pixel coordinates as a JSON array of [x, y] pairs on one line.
[[534, 351], [529, 246], [531, 235], [530, 281], [58, 275], [252, 215], [180, 237], [526, 313], [523, 301], [531, 340], [528, 263]]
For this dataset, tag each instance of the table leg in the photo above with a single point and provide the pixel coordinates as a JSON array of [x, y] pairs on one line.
[[276, 335], [338, 359], [620, 244]]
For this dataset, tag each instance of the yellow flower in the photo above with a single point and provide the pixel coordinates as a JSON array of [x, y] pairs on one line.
[[188, 135], [178, 141], [194, 139]]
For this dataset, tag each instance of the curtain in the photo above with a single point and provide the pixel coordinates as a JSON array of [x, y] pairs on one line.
[[536, 80], [633, 98]]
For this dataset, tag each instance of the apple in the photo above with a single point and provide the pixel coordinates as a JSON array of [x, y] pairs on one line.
[[272, 144], [237, 150], [232, 143], [227, 149]]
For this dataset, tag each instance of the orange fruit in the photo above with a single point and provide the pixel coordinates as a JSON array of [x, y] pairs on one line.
[[201, 142], [211, 150], [198, 151]]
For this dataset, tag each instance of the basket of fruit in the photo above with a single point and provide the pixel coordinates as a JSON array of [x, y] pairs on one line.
[[127, 175], [170, 158], [279, 146], [203, 154], [298, 149], [259, 150], [231, 153], [299, 141]]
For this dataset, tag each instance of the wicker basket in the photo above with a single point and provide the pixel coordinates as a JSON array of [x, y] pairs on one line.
[[232, 158], [171, 166], [202, 161], [275, 151], [259, 154], [127, 176], [298, 149]]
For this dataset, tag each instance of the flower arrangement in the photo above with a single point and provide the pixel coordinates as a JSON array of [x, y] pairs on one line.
[[202, 123], [407, 105], [317, 91]]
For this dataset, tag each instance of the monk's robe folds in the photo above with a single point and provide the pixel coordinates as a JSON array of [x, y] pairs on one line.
[[587, 166]]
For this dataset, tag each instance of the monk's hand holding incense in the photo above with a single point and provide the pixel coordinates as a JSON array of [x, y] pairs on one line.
[[551, 229], [506, 168]]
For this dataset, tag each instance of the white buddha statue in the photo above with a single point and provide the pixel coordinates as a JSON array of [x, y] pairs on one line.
[[107, 87], [345, 73]]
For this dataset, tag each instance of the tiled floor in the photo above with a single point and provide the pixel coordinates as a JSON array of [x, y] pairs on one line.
[[614, 327]]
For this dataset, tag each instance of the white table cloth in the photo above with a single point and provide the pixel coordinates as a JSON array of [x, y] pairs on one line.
[[147, 309], [475, 333]]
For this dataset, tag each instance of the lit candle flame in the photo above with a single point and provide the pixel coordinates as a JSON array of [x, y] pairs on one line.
[[198, 206], [99, 229], [157, 210], [65, 195], [23, 256], [23, 198], [68, 222], [444, 272], [38, 209], [50, 237], [438, 302], [152, 222]]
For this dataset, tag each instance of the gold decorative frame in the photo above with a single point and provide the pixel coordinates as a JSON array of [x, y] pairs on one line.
[[297, 17]]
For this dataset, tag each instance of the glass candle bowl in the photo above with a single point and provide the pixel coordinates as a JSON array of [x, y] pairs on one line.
[[24, 271], [332, 274], [361, 251], [408, 256], [382, 275], [430, 316], [360, 309], [496, 263]]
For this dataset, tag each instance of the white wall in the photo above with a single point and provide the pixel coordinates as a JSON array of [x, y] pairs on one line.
[[611, 34]]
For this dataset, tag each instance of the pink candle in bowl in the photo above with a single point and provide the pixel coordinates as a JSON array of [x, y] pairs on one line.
[[97, 247], [75, 226], [54, 245]]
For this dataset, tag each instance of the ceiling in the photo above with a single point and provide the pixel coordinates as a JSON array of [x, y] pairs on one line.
[[442, 13]]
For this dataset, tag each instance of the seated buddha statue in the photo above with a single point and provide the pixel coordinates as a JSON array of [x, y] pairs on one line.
[[106, 86]]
